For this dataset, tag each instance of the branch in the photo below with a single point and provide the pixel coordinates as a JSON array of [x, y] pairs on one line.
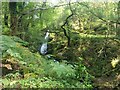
[[41, 8], [66, 22], [43, 5], [97, 15]]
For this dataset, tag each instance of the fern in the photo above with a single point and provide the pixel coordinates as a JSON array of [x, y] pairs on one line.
[[59, 70], [23, 43], [13, 53]]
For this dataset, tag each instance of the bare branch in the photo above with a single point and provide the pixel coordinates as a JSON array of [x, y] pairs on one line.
[[66, 22]]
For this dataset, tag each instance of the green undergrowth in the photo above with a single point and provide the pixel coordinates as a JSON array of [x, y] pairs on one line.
[[24, 69]]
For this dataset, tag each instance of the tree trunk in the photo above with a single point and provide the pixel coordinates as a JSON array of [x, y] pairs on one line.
[[6, 19], [13, 17], [118, 25]]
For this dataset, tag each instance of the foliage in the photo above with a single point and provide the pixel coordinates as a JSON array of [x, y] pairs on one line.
[[59, 70], [91, 30], [38, 72], [13, 52]]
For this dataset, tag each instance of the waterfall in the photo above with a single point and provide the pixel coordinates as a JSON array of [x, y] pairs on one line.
[[43, 49], [47, 35]]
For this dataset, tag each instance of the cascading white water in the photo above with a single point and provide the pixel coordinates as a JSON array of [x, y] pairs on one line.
[[47, 35], [43, 49]]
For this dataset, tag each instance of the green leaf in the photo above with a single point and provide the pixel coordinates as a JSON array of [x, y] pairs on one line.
[[14, 54]]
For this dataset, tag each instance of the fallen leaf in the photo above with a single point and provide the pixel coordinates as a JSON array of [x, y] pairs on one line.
[[8, 66]]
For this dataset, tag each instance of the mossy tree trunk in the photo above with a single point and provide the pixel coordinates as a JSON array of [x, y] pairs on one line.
[[13, 17], [118, 21]]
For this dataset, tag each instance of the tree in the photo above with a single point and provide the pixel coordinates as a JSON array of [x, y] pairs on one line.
[[118, 21], [13, 17]]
